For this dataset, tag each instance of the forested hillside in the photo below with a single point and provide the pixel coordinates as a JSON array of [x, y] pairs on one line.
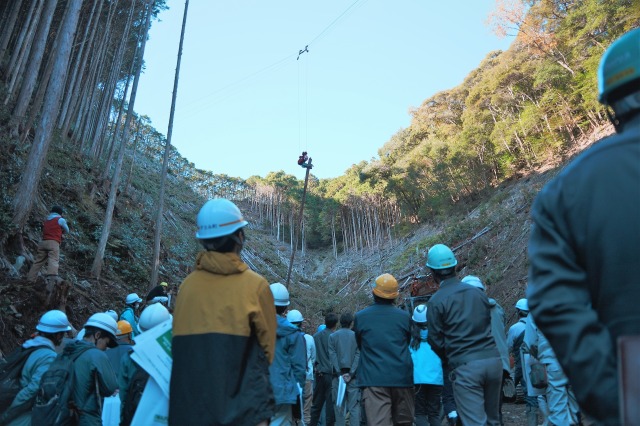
[[464, 172]]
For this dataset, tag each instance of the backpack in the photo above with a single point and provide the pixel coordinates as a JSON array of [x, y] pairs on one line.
[[538, 375], [11, 373], [53, 405], [134, 394]]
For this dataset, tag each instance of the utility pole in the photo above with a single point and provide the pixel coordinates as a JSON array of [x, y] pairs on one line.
[[155, 264], [308, 166]]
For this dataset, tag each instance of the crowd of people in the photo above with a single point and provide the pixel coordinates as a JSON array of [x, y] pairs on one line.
[[241, 357], [382, 366], [96, 363]]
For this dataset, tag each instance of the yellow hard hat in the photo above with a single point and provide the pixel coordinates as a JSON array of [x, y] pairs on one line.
[[386, 287], [124, 328], [164, 284]]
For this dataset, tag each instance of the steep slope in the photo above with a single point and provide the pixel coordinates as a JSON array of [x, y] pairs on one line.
[[489, 235], [74, 182], [491, 232]]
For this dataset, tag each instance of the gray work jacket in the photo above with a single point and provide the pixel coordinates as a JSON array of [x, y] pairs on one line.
[[584, 258]]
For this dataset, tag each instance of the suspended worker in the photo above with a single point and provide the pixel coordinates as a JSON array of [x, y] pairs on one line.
[[583, 248], [304, 160]]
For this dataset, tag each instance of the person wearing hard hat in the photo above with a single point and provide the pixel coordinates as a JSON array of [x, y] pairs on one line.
[[497, 331], [295, 317], [345, 357], [516, 330], [132, 379], [123, 336], [93, 376], [385, 372], [515, 337], [158, 291], [113, 314], [129, 314], [583, 246], [288, 370], [322, 396], [428, 377], [459, 324], [224, 330], [49, 333]]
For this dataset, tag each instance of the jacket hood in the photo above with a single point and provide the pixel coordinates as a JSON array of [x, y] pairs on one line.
[[492, 302], [75, 347], [285, 328], [38, 341], [220, 263]]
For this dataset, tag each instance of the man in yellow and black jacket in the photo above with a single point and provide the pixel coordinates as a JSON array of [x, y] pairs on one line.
[[224, 331]]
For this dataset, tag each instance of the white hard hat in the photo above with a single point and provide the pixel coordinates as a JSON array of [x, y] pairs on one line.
[[473, 281], [159, 299], [80, 334], [132, 298], [280, 294], [104, 322], [113, 314], [53, 322], [217, 218], [523, 305], [294, 315], [420, 314], [153, 315]]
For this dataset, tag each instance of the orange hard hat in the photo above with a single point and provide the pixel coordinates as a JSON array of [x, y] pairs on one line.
[[124, 328], [386, 287]]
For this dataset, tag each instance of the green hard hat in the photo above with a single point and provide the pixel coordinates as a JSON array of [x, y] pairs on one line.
[[619, 66], [441, 257]]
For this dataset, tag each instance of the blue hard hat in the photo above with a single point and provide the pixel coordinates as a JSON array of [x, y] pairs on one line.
[[441, 257]]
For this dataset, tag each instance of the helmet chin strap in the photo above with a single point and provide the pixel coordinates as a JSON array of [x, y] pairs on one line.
[[238, 240], [613, 119], [623, 110]]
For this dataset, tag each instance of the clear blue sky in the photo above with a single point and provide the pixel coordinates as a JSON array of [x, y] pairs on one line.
[[246, 106]]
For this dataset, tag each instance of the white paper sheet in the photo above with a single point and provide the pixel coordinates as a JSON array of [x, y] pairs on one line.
[[152, 352], [111, 411], [153, 409], [342, 388]]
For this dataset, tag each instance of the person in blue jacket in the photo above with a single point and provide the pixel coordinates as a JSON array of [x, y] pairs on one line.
[[427, 372], [50, 330], [131, 306], [288, 370]]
